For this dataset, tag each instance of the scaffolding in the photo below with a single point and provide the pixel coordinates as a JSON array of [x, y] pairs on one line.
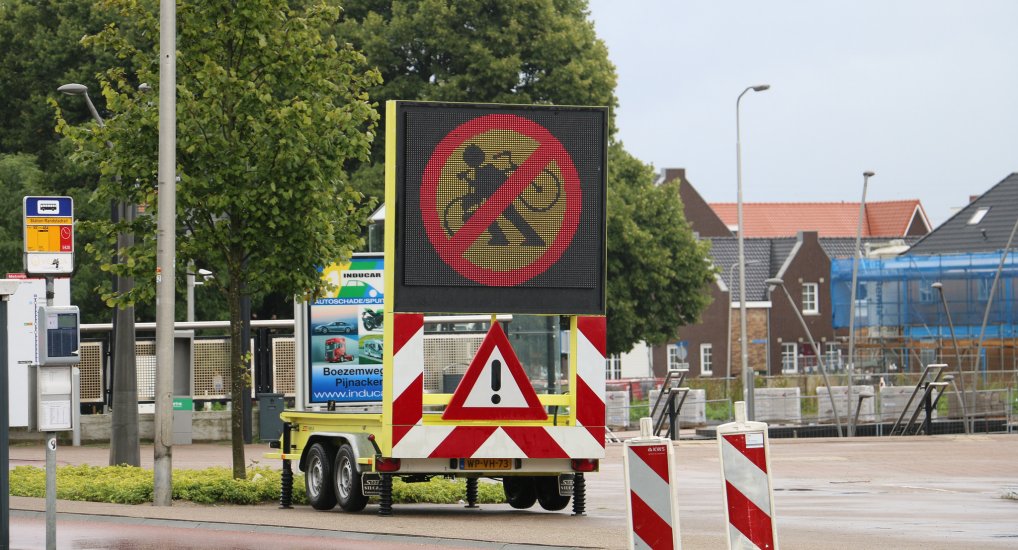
[[912, 311]]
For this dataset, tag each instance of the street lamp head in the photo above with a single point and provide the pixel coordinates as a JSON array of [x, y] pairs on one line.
[[938, 285], [774, 282], [869, 174], [761, 87], [73, 89]]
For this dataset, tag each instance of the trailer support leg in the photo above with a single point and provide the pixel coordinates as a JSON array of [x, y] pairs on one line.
[[472, 492], [385, 499], [579, 494], [286, 478]]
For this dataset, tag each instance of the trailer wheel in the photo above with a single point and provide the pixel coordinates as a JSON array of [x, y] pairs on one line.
[[547, 494], [318, 478], [348, 481], [520, 492]]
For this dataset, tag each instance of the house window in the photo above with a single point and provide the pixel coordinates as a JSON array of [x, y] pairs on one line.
[[613, 367], [789, 357], [978, 215], [677, 355], [706, 360], [832, 357], [809, 298], [925, 293]]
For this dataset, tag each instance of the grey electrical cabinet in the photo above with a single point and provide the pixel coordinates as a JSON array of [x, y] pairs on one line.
[[59, 335]]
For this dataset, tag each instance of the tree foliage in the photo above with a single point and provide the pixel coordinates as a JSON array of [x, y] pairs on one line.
[[19, 176], [40, 50], [270, 107], [526, 51], [658, 275]]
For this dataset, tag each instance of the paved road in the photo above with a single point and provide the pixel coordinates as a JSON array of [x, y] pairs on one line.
[[902, 493]]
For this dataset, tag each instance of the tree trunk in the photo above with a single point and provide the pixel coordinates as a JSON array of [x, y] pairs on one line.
[[238, 374], [125, 447]]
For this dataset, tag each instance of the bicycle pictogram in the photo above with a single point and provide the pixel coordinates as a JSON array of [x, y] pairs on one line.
[[483, 179]]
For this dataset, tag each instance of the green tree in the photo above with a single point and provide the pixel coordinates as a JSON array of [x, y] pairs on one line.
[[19, 176], [270, 107], [658, 275], [525, 51], [545, 52], [40, 49]]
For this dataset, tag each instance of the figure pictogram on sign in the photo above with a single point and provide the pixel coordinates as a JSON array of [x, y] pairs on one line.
[[495, 386], [484, 179], [500, 199]]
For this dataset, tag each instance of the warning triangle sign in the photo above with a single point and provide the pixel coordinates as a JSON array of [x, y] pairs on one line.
[[495, 387]]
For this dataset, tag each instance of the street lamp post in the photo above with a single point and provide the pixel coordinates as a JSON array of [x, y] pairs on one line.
[[728, 342], [851, 305], [124, 442], [166, 255], [816, 351], [191, 283], [957, 356], [747, 375]]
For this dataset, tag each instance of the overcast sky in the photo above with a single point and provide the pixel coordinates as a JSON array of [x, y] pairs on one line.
[[925, 93]]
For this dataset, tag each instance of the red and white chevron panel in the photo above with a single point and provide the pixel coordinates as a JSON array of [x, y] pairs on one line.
[[411, 438], [749, 501], [407, 373], [653, 506]]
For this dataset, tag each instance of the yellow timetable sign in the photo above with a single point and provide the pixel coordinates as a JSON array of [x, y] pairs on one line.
[[49, 238], [35, 220]]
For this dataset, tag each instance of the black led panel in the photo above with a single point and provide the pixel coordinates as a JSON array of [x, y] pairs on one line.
[[500, 208]]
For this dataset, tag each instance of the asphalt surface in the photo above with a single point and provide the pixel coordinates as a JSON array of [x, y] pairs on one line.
[[903, 493]]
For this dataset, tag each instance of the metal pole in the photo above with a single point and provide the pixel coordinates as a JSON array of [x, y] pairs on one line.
[[190, 292], [820, 361], [986, 317], [165, 254], [5, 482], [245, 339], [51, 461], [124, 447], [124, 441], [959, 391], [851, 305], [747, 375], [728, 342]]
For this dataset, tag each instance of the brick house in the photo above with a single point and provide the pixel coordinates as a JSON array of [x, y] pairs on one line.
[[786, 242]]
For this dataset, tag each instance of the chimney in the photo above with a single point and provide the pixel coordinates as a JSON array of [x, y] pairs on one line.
[[669, 174], [972, 198]]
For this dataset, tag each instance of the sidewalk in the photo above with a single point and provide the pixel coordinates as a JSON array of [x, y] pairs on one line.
[[192, 457]]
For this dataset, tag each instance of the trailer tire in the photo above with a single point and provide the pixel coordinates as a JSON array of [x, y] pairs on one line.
[[348, 489], [318, 478], [547, 494], [520, 492]]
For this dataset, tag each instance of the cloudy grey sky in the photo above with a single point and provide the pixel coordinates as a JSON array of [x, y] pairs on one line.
[[924, 92]]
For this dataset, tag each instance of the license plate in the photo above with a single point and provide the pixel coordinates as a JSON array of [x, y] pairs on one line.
[[486, 464], [371, 485]]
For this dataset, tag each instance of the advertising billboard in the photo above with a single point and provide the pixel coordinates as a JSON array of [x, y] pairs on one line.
[[345, 331]]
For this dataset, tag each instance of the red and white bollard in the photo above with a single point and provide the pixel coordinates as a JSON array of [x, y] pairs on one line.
[[650, 483], [745, 471]]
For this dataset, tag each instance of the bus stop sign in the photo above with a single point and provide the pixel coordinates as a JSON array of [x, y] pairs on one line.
[[500, 208], [49, 235]]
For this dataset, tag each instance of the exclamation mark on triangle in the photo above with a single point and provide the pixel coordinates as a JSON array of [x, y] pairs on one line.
[[496, 381]]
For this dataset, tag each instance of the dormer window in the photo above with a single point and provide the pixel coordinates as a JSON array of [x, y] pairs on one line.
[[978, 215]]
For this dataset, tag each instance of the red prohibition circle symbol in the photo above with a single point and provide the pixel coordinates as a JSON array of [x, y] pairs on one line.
[[65, 232], [452, 247]]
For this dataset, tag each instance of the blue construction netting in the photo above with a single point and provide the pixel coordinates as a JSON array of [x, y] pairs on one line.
[[898, 292]]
